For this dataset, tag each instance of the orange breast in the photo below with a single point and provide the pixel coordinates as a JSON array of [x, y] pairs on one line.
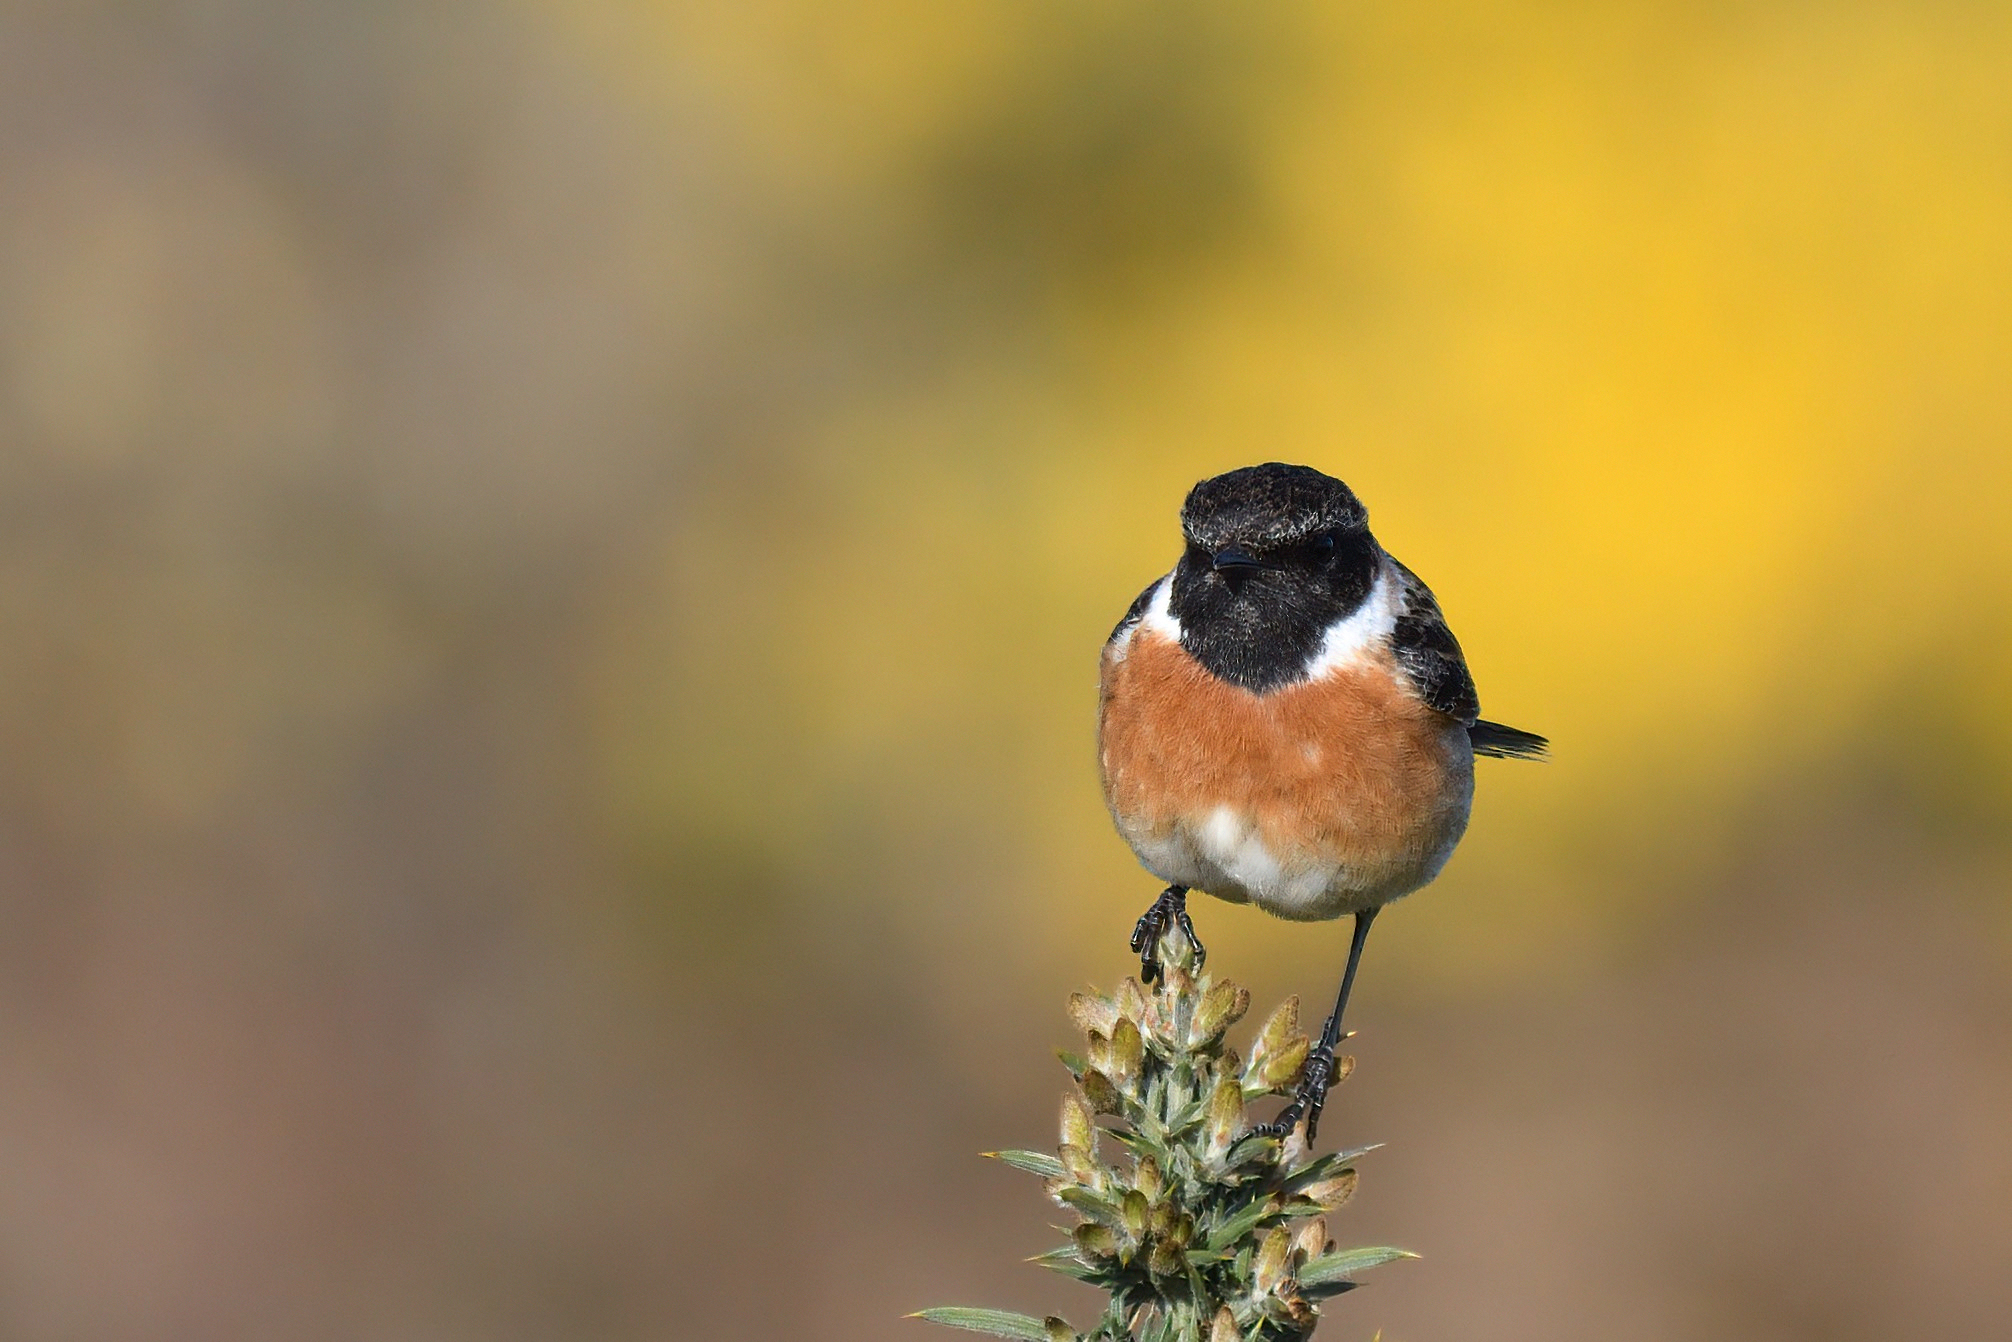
[[1350, 784]]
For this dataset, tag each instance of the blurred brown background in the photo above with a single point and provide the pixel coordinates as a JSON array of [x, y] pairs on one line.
[[553, 562]]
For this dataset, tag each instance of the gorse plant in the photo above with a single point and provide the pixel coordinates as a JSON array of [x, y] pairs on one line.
[[1198, 1228]]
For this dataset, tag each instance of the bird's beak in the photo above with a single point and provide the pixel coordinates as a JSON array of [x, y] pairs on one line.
[[1235, 561]]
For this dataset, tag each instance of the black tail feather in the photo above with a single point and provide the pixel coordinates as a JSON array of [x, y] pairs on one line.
[[1506, 743]]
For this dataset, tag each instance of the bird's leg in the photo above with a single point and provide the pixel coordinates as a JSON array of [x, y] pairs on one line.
[[1319, 1070], [1171, 908]]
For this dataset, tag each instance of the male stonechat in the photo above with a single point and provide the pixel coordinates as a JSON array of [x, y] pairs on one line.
[[1285, 720]]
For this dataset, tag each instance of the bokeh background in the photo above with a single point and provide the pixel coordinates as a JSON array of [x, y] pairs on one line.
[[553, 561]]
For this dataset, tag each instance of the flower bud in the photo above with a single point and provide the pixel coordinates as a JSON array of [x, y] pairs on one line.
[[1146, 1178], [1134, 1210], [1271, 1051], [1221, 1007], [1128, 1054], [1279, 1027], [1332, 1193], [1081, 1166], [1311, 1241], [1103, 1096], [1079, 1125], [1094, 1241], [1281, 1069], [1130, 1000], [1273, 1268], [1226, 1117], [1299, 1311], [1165, 1259], [1092, 1013]]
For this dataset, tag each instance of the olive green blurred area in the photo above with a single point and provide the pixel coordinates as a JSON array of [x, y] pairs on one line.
[[553, 565]]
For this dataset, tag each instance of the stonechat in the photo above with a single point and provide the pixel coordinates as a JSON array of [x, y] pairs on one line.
[[1285, 720]]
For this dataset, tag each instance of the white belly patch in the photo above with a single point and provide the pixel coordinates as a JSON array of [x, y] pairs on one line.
[[1225, 856]]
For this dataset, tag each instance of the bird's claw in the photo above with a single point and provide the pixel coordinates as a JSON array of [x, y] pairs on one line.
[[1313, 1084], [1171, 908]]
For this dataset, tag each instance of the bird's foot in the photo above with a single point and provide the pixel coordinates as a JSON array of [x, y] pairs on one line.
[[1313, 1083], [1169, 910]]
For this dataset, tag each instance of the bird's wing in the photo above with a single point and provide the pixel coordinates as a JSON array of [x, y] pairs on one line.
[[1429, 657], [1427, 653]]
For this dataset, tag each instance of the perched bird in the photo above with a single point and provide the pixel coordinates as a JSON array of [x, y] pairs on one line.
[[1285, 720]]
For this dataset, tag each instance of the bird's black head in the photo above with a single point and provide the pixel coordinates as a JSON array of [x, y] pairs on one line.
[[1275, 555]]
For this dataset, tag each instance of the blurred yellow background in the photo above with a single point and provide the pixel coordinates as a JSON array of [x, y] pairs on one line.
[[554, 562]]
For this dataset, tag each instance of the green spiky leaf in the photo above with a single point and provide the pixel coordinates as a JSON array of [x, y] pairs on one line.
[[1031, 1161], [1240, 1226], [1324, 1167], [1332, 1268], [1094, 1206], [997, 1322], [1066, 1261]]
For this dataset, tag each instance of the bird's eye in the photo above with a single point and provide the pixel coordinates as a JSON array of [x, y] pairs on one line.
[[1323, 545]]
